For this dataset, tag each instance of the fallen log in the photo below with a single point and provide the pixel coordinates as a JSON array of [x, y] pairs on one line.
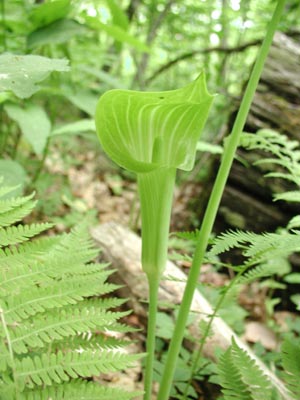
[[122, 248]]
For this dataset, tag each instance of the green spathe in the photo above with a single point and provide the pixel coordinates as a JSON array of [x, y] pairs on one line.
[[133, 126], [153, 134]]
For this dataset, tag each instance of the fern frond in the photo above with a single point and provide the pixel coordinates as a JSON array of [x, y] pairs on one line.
[[60, 367], [286, 154], [103, 303], [58, 294], [241, 378], [272, 245], [27, 252], [230, 240], [257, 247], [78, 390], [5, 190], [290, 353], [189, 235], [4, 356], [292, 196], [58, 324], [40, 268], [20, 277], [53, 328], [231, 380], [105, 340], [13, 203], [14, 214], [294, 222], [21, 233], [278, 266], [80, 236], [257, 382]]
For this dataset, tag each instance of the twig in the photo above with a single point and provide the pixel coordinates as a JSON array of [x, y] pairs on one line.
[[191, 54]]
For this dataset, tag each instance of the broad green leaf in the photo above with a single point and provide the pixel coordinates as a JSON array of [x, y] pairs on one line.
[[117, 33], [142, 131], [60, 31], [85, 100], [34, 123], [21, 74], [153, 134], [12, 174], [44, 14], [84, 125]]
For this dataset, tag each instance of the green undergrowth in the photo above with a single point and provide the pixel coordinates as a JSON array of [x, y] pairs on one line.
[[58, 330]]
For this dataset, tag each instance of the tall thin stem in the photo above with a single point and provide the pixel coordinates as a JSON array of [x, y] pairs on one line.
[[156, 194], [3, 24], [10, 350], [151, 335], [213, 206], [41, 163]]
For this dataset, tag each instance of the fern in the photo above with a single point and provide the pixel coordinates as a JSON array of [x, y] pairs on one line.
[[230, 240], [277, 266], [257, 247], [77, 391], [290, 353], [231, 380], [43, 370], [241, 378], [286, 154], [54, 329], [21, 233], [12, 211]]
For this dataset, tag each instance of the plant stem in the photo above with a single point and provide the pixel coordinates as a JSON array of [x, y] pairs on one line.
[[151, 331], [213, 204], [156, 194], [3, 24], [41, 163], [209, 326], [10, 350]]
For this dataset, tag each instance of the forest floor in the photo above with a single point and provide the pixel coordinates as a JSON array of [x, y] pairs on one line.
[[97, 185]]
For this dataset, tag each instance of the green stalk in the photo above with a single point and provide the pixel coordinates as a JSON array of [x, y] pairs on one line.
[[11, 352], [3, 24], [213, 205], [156, 194], [151, 336], [41, 163]]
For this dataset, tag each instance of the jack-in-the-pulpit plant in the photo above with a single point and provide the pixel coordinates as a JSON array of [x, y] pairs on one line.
[[153, 134]]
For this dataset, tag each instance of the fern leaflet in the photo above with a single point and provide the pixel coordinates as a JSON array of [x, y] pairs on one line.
[[291, 362], [21, 233], [241, 378]]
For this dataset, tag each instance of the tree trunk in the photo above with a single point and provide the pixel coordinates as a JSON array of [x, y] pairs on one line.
[[247, 200]]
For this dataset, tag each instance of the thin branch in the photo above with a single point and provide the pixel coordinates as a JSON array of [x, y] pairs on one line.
[[132, 8], [158, 21], [152, 33], [191, 54]]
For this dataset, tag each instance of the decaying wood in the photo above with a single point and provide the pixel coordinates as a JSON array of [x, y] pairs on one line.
[[247, 202], [122, 248]]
